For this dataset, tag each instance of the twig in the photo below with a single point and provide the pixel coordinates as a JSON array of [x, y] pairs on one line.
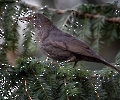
[[113, 19], [95, 91], [65, 86], [27, 90]]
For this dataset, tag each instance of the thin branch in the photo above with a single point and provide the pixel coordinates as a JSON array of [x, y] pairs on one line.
[[113, 19], [65, 86], [95, 91], [26, 90]]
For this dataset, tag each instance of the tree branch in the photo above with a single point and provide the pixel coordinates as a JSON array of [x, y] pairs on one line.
[[113, 19], [26, 90]]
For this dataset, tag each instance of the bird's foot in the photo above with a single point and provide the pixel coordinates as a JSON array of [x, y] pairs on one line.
[[73, 58]]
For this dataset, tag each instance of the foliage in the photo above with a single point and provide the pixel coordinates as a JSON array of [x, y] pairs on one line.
[[36, 79]]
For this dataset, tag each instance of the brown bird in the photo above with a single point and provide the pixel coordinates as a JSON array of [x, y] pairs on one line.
[[62, 46]]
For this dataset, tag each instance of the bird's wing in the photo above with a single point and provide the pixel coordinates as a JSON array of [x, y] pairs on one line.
[[72, 44]]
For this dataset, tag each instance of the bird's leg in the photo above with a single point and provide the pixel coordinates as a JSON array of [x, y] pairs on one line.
[[73, 58], [75, 63]]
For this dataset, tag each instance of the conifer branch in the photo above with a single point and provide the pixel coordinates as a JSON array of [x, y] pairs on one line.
[[66, 21], [95, 16], [114, 19], [41, 85]]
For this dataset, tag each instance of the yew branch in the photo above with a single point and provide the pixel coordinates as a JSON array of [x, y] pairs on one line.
[[89, 15]]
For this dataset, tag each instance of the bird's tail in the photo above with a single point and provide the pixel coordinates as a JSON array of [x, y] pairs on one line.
[[99, 59], [110, 65]]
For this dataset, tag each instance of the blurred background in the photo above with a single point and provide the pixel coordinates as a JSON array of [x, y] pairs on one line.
[[64, 4]]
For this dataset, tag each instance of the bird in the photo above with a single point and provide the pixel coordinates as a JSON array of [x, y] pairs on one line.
[[60, 45]]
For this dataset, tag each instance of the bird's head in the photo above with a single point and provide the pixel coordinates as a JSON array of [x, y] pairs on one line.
[[36, 19]]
